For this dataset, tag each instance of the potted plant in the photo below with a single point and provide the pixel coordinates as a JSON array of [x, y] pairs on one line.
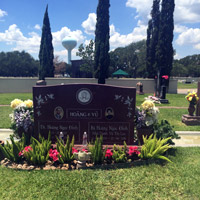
[[193, 99], [145, 117]]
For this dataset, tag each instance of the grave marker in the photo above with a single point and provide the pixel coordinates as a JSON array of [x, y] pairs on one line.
[[77, 108], [198, 104]]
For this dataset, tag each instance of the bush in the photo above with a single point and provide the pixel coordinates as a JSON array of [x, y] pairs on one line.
[[154, 148], [97, 152], [38, 152], [65, 151], [11, 151], [119, 154], [165, 130]]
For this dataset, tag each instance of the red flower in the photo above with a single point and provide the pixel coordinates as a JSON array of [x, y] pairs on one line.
[[133, 150], [74, 150], [165, 77], [27, 148], [108, 154], [54, 154], [85, 150], [20, 153]]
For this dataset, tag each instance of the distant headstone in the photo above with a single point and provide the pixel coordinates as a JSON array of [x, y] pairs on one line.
[[198, 104], [93, 108]]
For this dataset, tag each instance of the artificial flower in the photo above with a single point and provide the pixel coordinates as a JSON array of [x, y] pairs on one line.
[[28, 103], [15, 103], [74, 150], [133, 150], [108, 154]]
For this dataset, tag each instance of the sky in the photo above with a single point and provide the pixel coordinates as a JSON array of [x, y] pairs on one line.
[[21, 24]]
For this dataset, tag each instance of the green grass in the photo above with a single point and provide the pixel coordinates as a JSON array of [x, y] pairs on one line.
[[6, 98], [178, 180], [174, 116], [4, 117], [186, 86]]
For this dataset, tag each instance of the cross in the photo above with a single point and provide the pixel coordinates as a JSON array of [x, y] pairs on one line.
[[198, 103]]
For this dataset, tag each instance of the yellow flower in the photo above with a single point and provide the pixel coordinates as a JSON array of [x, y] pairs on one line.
[[146, 105], [15, 103], [29, 103], [190, 99]]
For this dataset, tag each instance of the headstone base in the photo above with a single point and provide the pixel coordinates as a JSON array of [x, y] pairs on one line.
[[164, 101], [191, 120]]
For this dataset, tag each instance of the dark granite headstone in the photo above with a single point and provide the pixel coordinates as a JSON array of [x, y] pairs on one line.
[[76, 108]]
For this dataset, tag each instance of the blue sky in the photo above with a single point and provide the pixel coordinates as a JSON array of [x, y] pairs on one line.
[[21, 23]]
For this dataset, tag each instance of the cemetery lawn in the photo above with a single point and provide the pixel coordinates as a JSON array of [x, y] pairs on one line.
[[6, 98], [177, 180], [175, 109], [187, 86]]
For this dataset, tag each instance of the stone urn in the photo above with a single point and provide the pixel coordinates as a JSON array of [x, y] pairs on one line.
[[81, 158], [191, 109]]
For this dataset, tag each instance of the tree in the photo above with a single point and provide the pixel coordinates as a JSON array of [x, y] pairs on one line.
[[102, 59], [87, 55], [152, 39], [46, 56], [18, 64], [60, 66], [164, 51]]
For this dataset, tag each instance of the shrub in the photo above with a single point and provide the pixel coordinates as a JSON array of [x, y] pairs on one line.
[[154, 148], [119, 153], [97, 152], [38, 151], [165, 130], [11, 151], [65, 151]]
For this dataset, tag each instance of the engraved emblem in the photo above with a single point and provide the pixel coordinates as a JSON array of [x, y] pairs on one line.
[[84, 96]]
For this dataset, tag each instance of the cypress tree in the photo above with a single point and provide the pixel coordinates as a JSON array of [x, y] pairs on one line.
[[102, 58], [164, 54], [46, 68], [152, 39]]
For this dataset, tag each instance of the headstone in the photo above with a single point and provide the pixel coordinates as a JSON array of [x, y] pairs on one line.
[[93, 108], [198, 104], [163, 95]]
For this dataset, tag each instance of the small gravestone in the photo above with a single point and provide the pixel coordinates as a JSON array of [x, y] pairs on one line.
[[193, 120], [77, 108], [198, 103]]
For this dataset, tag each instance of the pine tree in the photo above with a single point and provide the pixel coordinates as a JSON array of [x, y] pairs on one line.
[[102, 58], [46, 68], [152, 39], [164, 53]]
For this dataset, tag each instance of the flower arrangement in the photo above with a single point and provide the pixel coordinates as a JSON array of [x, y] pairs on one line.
[[21, 117], [154, 99], [146, 115], [192, 97]]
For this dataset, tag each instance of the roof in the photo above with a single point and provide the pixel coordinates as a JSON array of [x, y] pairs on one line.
[[120, 72]]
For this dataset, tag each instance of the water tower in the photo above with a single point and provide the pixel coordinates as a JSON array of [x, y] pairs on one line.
[[69, 43]]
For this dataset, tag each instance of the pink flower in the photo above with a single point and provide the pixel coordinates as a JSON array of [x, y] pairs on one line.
[[54, 154], [133, 150], [74, 150], [108, 154], [85, 150], [27, 148], [20, 153], [165, 77]]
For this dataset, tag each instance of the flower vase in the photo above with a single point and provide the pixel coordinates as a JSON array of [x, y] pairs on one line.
[[191, 109], [143, 131]]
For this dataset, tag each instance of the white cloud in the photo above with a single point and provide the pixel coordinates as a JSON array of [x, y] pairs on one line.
[[190, 36], [37, 26], [186, 11], [3, 13], [89, 24], [59, 35], [180, 28], [118, 40]]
